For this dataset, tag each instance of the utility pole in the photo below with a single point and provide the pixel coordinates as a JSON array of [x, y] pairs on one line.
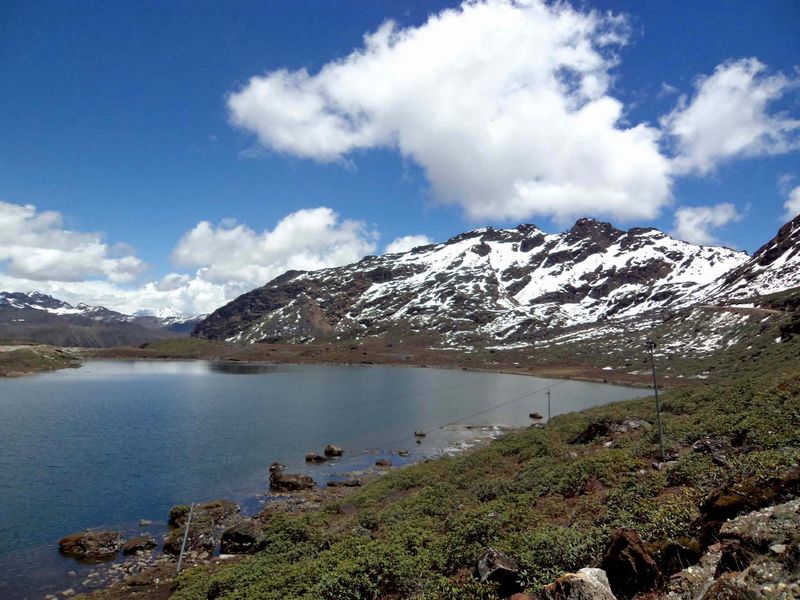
[[548, 406], [651, 346]]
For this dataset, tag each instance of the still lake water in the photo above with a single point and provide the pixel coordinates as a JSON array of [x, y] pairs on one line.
[[118, 441]]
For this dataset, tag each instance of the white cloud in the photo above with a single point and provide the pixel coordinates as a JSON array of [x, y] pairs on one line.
[[34, 245], [792, 204], [504, 104], [695, 224], [308, 239], [37, 254], [729, 117], [406, 243]]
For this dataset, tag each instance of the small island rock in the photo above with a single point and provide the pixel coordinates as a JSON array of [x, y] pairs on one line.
[[332, 451], [91, 545]]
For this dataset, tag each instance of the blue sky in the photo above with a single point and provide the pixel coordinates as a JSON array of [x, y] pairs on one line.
[[119, 117]]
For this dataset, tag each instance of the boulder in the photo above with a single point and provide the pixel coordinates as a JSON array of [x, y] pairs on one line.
[[314, 457], [289, 482], [141, 543], [536, 415], [333, 451], [244, 537], [497, 567], [420, 434], [383, 462], [586, 584], [91, 545], [592, 432], [216, 512], [403, 453], [276, 467], [628, 564]]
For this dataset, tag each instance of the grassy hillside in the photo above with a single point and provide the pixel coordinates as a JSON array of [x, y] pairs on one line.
[[550, 504]]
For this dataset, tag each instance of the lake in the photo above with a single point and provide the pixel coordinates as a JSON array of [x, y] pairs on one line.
[[118, 441]]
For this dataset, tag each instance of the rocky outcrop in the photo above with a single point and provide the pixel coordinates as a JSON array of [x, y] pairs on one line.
[[208, 521], [629, 566], [141, 543], [586, 584], [605, 429], [279, 481], [499, 568], [758, 556], [244, 537], [744, 496], [91, 545]]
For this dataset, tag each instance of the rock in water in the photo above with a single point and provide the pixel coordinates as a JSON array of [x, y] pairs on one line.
[[141, 543], [289, 482], [332, 451], [245, 537], [91, 545], [628, 565], [586, 584], [383, 462], [314, 457], [497, 567]]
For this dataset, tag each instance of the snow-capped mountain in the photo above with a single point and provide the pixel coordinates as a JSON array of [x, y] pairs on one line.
[[43, 318], [773, 267], [503, 285]]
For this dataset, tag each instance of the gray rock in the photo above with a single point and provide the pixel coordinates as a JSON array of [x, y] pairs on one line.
[[586, 584], [497, 567]]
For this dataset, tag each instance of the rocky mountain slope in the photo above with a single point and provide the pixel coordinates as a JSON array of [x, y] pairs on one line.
[[41, 318], [504, 286], [774, 267]]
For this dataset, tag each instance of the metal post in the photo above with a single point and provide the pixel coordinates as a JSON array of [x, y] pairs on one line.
[[185, 537], [548, 406], [651, 347]]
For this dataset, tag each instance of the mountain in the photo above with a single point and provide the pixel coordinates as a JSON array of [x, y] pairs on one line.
[[499, 285], [774, 267], [41, 318]]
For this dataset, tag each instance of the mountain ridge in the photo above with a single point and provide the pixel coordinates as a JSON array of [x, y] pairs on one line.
[[500, 285]]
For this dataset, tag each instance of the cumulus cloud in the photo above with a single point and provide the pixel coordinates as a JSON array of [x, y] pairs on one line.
[[308, 239], [696, 224], [729, 116], [792, 204], [406, 243], [37, 254], [505, 104], [34, 245]]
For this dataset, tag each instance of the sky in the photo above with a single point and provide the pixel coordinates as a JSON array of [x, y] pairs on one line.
[[166, 154]]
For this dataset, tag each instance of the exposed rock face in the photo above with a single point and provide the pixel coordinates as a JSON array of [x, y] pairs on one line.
[[208, 521], [499, 568], [141, 543], [289, 482], [774, 267], [628, 565], [244, 537], [756, 558], [586, 584], [747, 495], [608, 428], [495, 284], [91, 545]]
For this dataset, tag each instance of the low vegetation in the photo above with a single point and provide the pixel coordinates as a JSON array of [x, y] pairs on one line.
[[549, 503]]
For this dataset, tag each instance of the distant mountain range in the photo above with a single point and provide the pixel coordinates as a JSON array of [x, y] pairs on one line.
[[505, 286], [41, 318]]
